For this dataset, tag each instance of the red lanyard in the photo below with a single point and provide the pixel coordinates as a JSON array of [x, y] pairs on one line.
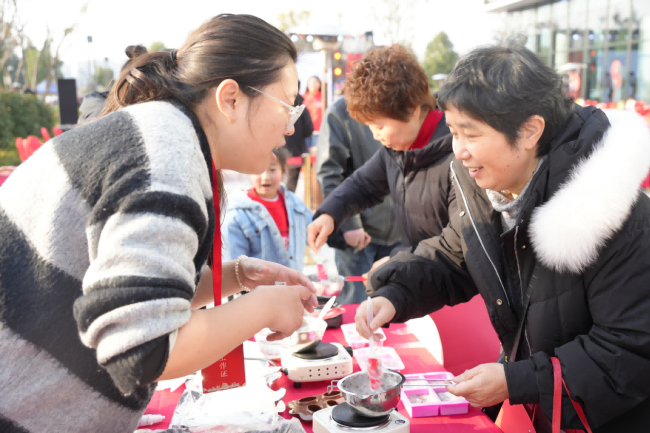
[[216, 243], [228, 372]]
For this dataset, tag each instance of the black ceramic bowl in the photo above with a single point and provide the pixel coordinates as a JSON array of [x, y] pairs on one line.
[[335, 315]]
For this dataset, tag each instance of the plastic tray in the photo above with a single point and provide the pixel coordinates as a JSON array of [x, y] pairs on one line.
[[389, 358], [355, 340], [431, 401]]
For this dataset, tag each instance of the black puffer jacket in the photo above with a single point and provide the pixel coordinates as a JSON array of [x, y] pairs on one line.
[[408, 177], [587, 226]]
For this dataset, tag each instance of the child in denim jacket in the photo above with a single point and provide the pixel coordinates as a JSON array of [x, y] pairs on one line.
[[268, 222]]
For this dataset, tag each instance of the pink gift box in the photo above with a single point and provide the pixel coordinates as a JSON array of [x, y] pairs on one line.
[[431, 401]]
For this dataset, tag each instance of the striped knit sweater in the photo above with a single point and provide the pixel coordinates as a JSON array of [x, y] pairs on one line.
[[103, 232]]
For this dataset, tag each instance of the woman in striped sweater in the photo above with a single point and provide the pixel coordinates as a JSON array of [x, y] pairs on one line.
[[106, 231]]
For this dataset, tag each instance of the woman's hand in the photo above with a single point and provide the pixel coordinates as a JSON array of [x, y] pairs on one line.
[[285, 308], [482, 386], [256, 272], [277, 307], [383, 312], [357, 238], [319, 230]]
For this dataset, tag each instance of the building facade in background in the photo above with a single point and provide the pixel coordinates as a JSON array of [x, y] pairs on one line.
[[602, 47]]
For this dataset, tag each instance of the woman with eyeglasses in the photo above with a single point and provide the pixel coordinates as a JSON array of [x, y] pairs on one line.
[[106, 232]]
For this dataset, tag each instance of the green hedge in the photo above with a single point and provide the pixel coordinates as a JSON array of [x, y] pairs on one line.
[[9, 157], [20, 116]]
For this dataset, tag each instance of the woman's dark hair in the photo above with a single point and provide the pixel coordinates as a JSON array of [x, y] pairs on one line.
[[504, 86], [320, 83], [240, 47], [282, 155], [132, 51]]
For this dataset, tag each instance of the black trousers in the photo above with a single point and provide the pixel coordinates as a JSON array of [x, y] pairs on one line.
[[292, 177]]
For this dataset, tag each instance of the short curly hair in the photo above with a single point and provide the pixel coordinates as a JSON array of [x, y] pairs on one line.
[[388, 82]]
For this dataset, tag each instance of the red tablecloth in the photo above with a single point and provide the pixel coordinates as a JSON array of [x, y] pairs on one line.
[[416, 360]]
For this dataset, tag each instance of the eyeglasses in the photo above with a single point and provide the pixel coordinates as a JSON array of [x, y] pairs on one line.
[[294, 111]]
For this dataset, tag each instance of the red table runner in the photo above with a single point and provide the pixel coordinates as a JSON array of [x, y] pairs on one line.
[[416, 359]]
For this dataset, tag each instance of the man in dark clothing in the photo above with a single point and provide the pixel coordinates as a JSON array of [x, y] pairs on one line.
[[91, 107], [559, 252], [296, 142], [344, 146]]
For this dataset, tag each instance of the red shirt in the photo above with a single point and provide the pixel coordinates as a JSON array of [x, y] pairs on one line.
[[427, 129], [278, 210], [314, 104]]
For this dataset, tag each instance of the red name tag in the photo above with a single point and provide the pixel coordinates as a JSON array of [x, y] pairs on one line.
[[226, 373]]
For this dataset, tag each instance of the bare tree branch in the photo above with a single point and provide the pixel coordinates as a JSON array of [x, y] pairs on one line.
[[33, 78], [8, 49], [7, 41], [392, 18], [20, 39], [55, 59], [56, 56], [22, 42]]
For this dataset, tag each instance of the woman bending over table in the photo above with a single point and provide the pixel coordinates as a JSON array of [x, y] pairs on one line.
[[389, 91], [548, 207], [106, 231]]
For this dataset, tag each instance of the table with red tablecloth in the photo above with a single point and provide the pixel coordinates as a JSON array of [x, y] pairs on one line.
[[5, 171], [415, 357]]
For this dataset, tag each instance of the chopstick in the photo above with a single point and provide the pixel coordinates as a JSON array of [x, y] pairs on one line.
[[430, 382], [355, 279]]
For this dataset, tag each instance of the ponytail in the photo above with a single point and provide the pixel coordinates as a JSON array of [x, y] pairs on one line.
[[240, 47], [243, 48], [145, 77]]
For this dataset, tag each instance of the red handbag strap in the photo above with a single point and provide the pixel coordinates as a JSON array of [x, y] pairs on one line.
[[557, 395], [581, 413], [558, 381]]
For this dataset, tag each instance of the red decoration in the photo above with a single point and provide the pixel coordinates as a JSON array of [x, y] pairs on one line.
[[46, 134]]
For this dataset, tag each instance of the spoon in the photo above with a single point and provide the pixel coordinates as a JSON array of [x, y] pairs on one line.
[[320, 267], [356, 279], [327, 308], [374, 362]]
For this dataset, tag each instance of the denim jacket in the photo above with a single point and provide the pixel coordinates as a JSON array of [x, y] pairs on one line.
[[249, 229]]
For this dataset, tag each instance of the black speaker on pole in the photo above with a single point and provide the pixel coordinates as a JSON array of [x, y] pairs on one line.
[[68, 101]]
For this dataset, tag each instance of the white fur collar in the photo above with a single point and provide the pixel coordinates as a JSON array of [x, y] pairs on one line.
[[594, 203]]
